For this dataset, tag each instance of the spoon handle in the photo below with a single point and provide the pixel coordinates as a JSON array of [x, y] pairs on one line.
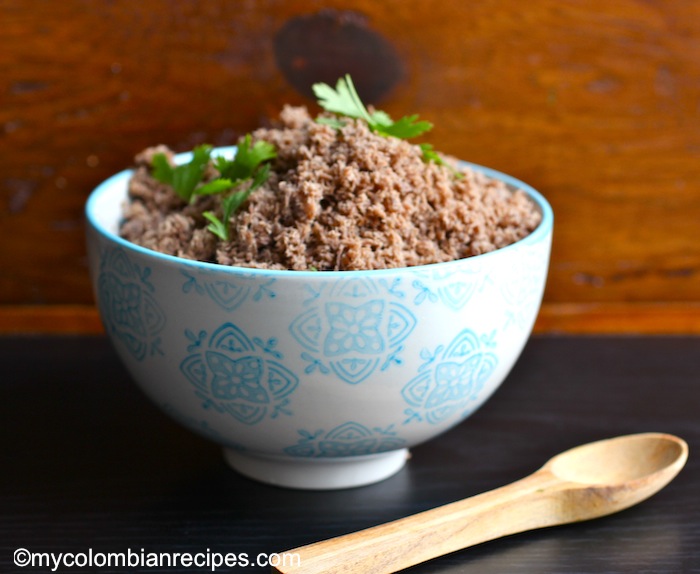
[[517, 507]]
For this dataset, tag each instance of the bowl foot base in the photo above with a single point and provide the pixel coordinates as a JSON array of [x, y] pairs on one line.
[[317, 473]]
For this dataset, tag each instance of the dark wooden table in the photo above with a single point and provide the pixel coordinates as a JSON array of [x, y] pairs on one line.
[[90, 465]]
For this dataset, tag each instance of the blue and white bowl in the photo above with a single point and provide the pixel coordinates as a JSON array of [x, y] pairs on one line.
[[315, 380]]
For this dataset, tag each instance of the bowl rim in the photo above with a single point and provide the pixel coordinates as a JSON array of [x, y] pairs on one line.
[[121, 178]]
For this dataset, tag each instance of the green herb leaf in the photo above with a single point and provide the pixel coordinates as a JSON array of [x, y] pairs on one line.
[[231, 203], [184, 178], [381, 119], [407, 127], [429, 154], [217, 227], [214, 186], [162, 170], [345, 101], [333, 122], [246, 161], [260, 177], [342, 100], [247, 164]]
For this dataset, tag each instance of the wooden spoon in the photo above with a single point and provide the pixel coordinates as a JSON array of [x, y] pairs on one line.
[[585, 482]]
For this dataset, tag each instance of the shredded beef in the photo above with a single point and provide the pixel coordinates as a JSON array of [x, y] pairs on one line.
[[336, 199]]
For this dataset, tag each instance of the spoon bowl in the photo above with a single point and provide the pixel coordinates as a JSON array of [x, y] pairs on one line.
[[582, 483], [620, 472], [620, 460]]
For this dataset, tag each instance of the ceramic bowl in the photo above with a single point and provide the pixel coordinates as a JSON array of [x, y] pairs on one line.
[[315, 380]]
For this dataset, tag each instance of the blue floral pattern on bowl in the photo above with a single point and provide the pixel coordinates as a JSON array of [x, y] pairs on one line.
[[229, 294], [129, 310], [232, 374], [355, 331], [347, 439], [450, 379], [452, 289], [315, 379]]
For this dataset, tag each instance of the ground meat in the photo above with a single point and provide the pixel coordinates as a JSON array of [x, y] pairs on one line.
[[343, 199]]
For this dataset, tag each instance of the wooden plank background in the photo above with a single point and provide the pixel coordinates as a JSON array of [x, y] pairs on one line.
[[596, 103]]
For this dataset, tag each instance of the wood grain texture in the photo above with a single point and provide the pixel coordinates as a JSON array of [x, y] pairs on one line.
[[93, 464], [596, 104]]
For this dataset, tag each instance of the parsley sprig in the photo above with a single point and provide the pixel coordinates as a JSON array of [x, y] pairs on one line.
[[344, 100], [239, 177], [231, 203], [185, 178]]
